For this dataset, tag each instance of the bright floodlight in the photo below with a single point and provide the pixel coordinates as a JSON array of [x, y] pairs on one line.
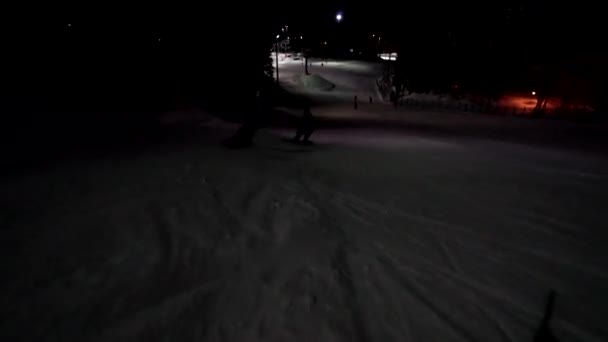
[[533, 93], [278, 35], [339, 17]]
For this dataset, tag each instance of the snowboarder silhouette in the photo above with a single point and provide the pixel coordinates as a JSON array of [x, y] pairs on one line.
[[305, 127]]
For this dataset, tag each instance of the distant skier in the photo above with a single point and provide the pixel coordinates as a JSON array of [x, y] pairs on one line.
[[394, 96], [305, 127]]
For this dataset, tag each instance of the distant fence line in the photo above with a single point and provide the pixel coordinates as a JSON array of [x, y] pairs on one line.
[[487, 108], [492, 108]]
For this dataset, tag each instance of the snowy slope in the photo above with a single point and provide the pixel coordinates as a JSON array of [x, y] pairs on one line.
[[396, 226], [349, 77], [426, 240]]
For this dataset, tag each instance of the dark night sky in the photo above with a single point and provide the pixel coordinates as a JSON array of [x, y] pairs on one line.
[[133, 24]]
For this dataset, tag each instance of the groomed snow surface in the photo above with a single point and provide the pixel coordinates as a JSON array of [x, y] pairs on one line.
[[369, 235]]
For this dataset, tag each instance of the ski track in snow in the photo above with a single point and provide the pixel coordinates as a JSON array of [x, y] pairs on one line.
[[230, 249]]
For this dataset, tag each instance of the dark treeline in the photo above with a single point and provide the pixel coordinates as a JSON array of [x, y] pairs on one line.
[[492, 48], [131, 60], [75, 78]]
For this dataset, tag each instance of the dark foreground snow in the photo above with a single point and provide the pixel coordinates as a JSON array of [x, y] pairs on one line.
[[412, 238]]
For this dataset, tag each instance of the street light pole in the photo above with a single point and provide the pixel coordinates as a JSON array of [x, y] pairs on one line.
[[276, 53]]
